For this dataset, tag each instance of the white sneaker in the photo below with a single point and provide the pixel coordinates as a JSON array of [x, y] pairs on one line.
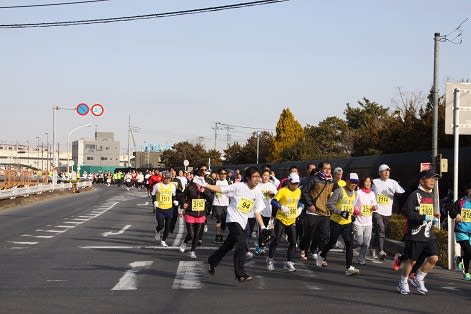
[[270, 264], [351, 271], [289, 266], [319, 260], [192, 254], [315, 256], [163, 244], [382, 255], [157, 236], [373, 254], [248, 255], [182, 247], [403, 287], [419, 285], [205, 228]]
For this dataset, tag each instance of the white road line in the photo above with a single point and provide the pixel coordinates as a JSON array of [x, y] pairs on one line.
[[55, 231], [23, 243], [181, 230], [87, 216], [145, 204], [64, 227], [73, 222], [451, 288], [35, 236], [80, 219], [106, 234], [188, 275], [152, 247], [129, 280]]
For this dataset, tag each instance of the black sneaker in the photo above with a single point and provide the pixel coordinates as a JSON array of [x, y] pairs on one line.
[[211, 269]]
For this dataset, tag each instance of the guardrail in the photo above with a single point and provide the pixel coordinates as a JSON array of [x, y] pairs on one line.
[[40, 188]]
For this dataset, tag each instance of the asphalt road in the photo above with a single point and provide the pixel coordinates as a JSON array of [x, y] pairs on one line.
[[95, 252]]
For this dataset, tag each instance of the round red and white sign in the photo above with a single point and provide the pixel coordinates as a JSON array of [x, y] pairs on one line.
[[97, 110]]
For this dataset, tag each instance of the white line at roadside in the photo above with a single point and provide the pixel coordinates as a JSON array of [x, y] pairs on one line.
[[129, 280]]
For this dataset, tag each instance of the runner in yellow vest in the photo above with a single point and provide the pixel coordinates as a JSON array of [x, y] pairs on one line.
[[164, 200], [286, 202], [341, 204]]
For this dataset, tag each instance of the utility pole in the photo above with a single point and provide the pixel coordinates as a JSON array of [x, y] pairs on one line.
[[129, 134], [216, 133], [258, 144], [436, 49]]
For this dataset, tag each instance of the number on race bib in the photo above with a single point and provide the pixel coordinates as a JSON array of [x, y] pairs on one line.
[[245, 205], [197, 205], [366, 210], [347, 208], [426, 209], [292, 211], [466, 215], [382, 199]]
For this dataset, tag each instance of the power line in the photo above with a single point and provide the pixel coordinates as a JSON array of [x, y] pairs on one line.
[[50, 4], [142, 17]]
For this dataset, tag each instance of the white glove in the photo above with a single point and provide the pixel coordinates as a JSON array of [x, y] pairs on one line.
[[176, 203], [156, 204], [299, 211], [285, 210], [200, 181]]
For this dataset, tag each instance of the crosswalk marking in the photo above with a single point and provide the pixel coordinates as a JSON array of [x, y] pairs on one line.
[[188, 275], [129, 280]]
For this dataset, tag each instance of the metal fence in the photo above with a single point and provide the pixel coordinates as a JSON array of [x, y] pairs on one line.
[[40, 188]]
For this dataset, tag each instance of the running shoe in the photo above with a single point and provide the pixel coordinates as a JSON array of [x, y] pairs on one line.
[[467, 277], [182, 247], [157, 235], [373, 254], [244, 278], [403, 287], [361, 261], [248, 255], [315, 256], [192, 254], [396, 262], [205, 228], [289, 266], [382, 255], [319, 261], [419, 285], [351, 271], [259, 250], [200, 242], [163, 244], [270, 264]]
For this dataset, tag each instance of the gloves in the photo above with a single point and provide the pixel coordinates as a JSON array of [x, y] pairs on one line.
[[265, 234], [356, 211], [200, 181], [156, 204], [285, 210], [299, 211], [344, 214], [176, 203], [428, 218]]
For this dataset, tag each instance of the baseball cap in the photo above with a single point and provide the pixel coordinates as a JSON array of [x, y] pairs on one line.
[[166, 175], [353, 177], [428, 174], [293, 178], [338, 170], [383, 167]]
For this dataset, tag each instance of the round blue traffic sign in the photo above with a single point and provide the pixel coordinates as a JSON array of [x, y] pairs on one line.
[[82, 109]]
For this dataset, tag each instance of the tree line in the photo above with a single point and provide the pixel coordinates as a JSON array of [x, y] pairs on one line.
[[368, 128]]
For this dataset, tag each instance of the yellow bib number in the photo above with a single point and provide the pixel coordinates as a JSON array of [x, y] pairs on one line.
[[218, 195], [197, 205], [245, 205], [293, 210], [347, 208], [426, 209], [366, 210], [466, 215], [382, 199], [165, 199]]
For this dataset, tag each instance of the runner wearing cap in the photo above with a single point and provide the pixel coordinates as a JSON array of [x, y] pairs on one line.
[[244, 197], [384, 188], [164, 193], [337, 174], [220, 203], [286, 204], [341, 204], [420, 239]]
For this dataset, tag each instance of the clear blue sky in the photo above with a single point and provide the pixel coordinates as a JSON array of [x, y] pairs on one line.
[[177, 76]]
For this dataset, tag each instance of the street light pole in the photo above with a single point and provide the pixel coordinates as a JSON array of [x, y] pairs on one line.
[[37, 137], [258, 144], [68, 142], [48, 155]]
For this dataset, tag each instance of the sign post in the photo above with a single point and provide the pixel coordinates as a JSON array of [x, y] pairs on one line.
[[186, 163]]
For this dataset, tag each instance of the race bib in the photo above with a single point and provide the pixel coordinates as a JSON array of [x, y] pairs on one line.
[[347, 208], [266, 194], [466, 214], [245, 205], [366, 210], [197, 204], [382, 199], [426, 209], [218, 195], [293, 209], [165, 198]]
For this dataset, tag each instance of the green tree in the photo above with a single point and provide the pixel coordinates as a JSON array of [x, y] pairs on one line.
[[331, 138], [215, 157], [195, 154], [233, 154], [288, 133]]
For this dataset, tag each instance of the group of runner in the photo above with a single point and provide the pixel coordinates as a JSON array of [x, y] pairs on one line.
[[312, 213]]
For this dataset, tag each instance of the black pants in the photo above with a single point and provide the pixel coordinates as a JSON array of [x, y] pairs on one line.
[[466, 247], [192, 230], [316, 232], [346, 231], [164, 219], [291, 232], [236, 238], [249, 229]]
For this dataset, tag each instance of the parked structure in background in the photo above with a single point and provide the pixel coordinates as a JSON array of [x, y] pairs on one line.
[[100, 154]]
